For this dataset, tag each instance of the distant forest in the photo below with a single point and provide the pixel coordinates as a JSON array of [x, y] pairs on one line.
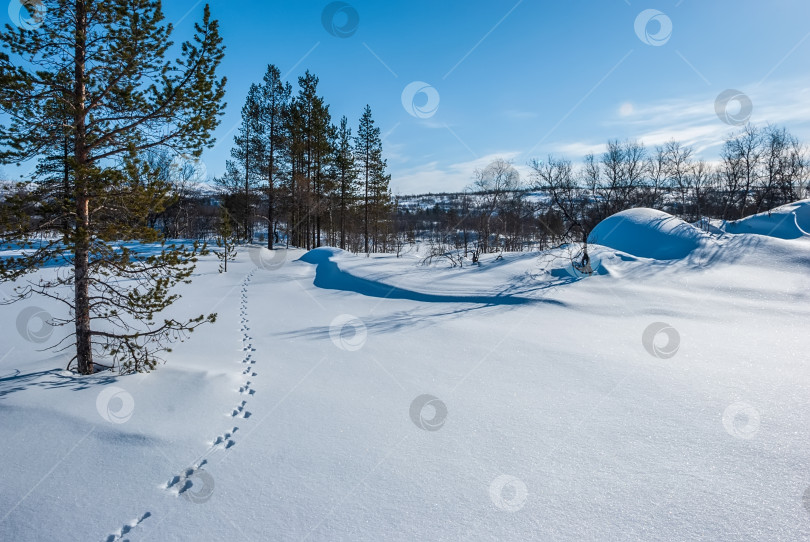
[[331, 188]]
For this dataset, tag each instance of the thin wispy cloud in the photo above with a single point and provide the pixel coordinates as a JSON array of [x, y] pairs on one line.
[[690, 120], [437, 177], [693, 121], [516, 114]]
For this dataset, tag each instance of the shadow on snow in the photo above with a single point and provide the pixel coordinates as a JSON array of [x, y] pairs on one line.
[[330, 277]]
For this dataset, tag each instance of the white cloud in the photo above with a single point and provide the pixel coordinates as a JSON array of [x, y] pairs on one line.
[[435, 177], [690, 120], [576, 149], [520, 115], [694, 121]]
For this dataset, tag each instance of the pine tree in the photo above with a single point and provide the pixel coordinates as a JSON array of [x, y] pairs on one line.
[[324, 138], [346, 175], [368, 153], [274, 112], [225, 240], [248, 152], [296, 153], [310, 123], [104, 64]]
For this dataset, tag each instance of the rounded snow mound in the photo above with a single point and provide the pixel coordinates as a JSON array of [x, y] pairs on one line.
[[791, 221], [648, 233]]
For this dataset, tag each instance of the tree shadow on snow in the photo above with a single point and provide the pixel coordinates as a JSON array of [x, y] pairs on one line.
[[330, 277], [398, 321], [50, 379]]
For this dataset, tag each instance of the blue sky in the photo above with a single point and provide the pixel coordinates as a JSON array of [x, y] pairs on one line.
[[520, 79]]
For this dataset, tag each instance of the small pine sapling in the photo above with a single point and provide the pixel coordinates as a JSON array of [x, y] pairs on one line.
[[225, 241]]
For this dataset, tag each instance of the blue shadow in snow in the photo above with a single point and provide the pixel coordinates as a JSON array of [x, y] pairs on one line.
[[49, 379], [329, 277]]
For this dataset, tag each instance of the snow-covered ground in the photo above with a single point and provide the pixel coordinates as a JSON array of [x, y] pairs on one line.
[[339, 397]]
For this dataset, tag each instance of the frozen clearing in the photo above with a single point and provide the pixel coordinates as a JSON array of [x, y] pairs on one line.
[[297, 416]]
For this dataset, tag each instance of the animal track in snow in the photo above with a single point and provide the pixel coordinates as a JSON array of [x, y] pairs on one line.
[[246, 389], [247, 347], [224, 440], [240, 412], [180, 483], [127, 528]]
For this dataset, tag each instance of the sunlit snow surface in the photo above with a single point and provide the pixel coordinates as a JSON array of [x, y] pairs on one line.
[[340, 397]]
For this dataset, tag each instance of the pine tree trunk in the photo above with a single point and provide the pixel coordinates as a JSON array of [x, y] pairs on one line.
[[81, 264], [343, 212], [84, 350], [270, 200], [292, 225], [271, 231], [366, 202], [247, 189], [317, 232]]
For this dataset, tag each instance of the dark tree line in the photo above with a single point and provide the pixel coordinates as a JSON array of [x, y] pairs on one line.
[[561, 202], [305, 180], [759, 169]]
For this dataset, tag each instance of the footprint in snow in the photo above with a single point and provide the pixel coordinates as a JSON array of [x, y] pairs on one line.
[[127, 528], [240, 412], [224, 440]]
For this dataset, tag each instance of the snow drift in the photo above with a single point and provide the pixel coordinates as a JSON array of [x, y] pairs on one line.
[[329, 276], [648, 233], [790, 221]]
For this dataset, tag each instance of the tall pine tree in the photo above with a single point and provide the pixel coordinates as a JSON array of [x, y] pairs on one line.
[[103, 64], [371, 166], [345, 174], [310, 142], [248, 151], [274, 113]]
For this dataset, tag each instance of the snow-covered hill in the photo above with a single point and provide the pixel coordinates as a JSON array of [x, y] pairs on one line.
[[786, 222], [340, 397], [649, 233]]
